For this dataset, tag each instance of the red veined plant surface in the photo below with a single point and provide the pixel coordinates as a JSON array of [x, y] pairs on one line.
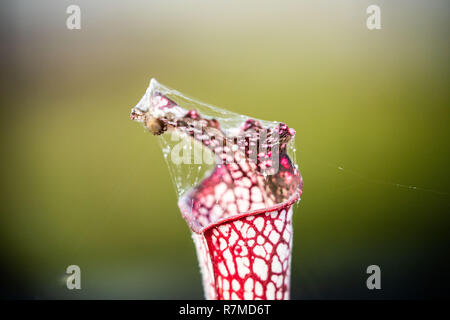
[[241, 212]]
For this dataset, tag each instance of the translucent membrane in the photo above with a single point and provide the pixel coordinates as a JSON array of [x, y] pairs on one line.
[[236, 181]]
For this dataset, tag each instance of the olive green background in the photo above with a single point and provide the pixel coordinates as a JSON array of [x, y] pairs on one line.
[[83, 184]]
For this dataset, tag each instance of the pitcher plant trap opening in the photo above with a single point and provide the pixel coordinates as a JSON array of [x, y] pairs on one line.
[[237, 180]]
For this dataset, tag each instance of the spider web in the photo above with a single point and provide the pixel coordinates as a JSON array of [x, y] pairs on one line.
[[192, 163]]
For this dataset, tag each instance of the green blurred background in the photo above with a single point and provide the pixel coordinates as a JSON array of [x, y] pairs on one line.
[[83, 184]]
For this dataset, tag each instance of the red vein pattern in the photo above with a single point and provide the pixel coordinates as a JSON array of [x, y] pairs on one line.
[[247, 258]]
